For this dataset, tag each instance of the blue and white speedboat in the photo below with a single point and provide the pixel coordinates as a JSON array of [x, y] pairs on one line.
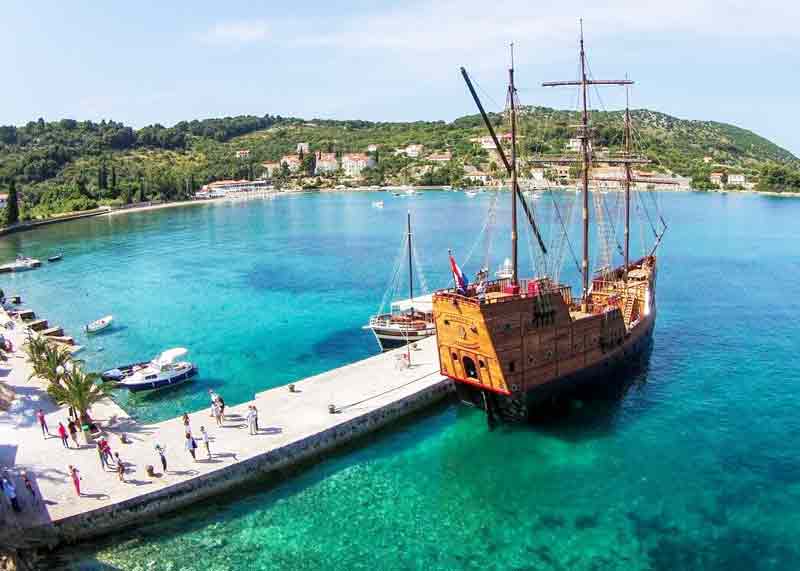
[[163, 371]]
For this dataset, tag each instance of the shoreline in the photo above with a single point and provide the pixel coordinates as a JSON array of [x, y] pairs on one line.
[[109, 211]]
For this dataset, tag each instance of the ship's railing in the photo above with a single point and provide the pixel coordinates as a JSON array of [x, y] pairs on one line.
[[501, 286], [389, 320]]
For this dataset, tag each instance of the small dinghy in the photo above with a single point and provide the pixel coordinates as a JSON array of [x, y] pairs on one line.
[[56, 258], [163, 371], [99, 324], [378, 204]]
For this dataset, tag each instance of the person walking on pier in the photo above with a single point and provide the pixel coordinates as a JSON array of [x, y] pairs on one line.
[[160, 449], [62, 433], [191, 446], [102, 455], [73, 432], [29, 485], [120, 467], [255, 418], [76, 478], [206, 440], [42, 422], [10, 492], [250, 420], [217, 413], [214, 397], [186, 428]]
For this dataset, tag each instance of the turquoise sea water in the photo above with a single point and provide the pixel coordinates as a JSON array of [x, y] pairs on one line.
[[696, 466]]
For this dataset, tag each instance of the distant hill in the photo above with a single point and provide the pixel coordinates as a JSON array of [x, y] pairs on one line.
[[71, 165]]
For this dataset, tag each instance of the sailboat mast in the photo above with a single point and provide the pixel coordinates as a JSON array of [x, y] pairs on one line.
[[586, 160], [410, 267], [627, 183], [512, 98]]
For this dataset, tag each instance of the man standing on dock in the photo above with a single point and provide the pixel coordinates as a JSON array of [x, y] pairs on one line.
[[42, 422], [160, 449]]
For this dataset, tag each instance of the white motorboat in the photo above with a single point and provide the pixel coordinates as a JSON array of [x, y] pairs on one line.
[[21, 264], [162, 371], [471, 193], [377, 204], [99, 324]]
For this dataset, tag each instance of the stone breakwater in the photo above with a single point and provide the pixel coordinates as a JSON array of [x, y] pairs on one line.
[[297, 427]]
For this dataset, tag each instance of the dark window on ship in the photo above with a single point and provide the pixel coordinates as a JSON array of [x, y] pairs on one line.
[[508, 327], [455, 357], [469, 368], [481, 364], [511, 366], [149, 377]]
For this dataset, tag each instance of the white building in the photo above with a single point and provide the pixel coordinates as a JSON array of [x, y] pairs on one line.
[[326, 163], [413, 150], [243, 153], [739, 179], [574, 145], [716, 177], [302, 148], [372, 148], [354, 163], [222, 188]]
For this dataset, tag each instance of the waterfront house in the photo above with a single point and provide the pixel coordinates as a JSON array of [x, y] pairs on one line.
[[326, 163], [716, 178], [242, 153], [537, 174], [444, 157], [222, 188], [302, 148], [270, 168], [292, 162], [739, 179], [475, 175], [354, 163]]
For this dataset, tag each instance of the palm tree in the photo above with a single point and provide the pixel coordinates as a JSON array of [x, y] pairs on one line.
[[79, 390], [34, 347], [51, 362]]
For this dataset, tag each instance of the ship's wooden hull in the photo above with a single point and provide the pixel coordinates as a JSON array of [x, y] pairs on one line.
[[512, 351]]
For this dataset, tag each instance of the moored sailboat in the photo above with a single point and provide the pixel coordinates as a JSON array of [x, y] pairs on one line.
[[511, 344], [408, 320]]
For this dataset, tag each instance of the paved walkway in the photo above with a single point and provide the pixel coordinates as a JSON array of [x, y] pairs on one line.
[[284, 417]]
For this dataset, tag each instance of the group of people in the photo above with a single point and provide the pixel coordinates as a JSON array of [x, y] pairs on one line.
[[191, 442], [217, 407], [65, 433], [9, 490], [107, 459]]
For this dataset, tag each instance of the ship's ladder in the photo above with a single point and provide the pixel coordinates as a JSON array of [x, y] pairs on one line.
[[627, 313]]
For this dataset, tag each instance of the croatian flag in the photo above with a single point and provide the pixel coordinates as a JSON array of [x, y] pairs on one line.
[[461, 280]]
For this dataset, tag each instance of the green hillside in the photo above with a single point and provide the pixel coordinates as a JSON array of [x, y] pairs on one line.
[[72, 165]]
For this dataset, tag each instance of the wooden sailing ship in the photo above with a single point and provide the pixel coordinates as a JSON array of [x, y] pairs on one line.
[[513, 344]]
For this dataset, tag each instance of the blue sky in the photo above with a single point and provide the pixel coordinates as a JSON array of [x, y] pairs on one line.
[[145, 62]]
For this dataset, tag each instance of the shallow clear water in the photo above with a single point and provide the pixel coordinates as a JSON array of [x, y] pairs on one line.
[[697, 466]]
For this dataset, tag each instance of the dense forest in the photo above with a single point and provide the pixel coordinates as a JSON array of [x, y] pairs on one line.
[[71, 165]]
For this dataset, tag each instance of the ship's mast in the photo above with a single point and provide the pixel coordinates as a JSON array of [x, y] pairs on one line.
[[512, 93], [586, 159], [585, 150], [627, 183], [410, 268]]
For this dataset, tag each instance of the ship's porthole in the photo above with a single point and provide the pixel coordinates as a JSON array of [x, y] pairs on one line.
[[481, 364], [511, 366], [454, 356], [469, 368]]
